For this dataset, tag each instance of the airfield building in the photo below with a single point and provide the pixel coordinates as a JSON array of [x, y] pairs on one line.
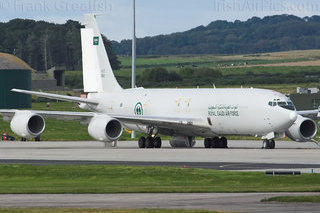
[[14, 73]]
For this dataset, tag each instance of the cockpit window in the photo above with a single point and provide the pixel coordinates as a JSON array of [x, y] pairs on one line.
[[284, 104]]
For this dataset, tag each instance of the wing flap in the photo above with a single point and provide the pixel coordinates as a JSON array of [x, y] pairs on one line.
[[177, 125]]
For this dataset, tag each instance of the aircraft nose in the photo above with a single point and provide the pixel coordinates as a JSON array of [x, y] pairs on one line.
[[293, 116]]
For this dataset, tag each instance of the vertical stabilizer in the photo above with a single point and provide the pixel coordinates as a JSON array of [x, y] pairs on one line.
[[97, 72]]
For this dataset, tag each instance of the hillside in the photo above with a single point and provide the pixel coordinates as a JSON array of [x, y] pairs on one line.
[[27, 40], [256, 35]]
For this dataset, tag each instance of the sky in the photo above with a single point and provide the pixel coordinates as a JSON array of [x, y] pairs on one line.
[[154, 17]]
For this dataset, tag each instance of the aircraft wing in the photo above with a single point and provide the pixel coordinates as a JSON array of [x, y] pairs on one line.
[[313, 114], [167, 124], [57, 97], [60, 115]]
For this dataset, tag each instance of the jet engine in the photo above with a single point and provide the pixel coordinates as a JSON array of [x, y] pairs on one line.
[[182, 141], [27, 124], [303, 130], [105, 128]]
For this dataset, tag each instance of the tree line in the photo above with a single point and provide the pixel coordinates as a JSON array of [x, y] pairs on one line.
[[256, 35], [43, 45]]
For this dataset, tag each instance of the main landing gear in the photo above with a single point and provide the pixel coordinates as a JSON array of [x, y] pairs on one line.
[[268, 144], [216, 142], [150, 142]]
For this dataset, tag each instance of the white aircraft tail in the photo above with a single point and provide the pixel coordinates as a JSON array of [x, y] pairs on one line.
[[97, 72]]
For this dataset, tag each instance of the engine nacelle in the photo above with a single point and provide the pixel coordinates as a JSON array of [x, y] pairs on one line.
[[302, 130], [105, 128], [182, 142], [27, 124]]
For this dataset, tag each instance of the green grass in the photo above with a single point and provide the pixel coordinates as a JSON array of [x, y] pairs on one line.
[[77, 210], [60, 179], [124, 77], [294, 199], [218, 60]]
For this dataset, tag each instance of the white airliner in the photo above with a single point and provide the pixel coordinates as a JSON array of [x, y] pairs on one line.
[[183, 114]]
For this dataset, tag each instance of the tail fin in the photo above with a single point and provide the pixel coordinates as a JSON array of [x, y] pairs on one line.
[[97, 72]]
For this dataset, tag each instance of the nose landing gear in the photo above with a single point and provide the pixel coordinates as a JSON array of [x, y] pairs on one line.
[[268, 144]]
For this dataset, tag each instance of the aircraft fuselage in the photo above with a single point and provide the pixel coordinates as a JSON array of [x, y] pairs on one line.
[[224, 111]]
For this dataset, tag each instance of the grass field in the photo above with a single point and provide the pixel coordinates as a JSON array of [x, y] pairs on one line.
[[223, 64], [61, 179], [294, 199], [226, 64], [69, 210], [124, 76], [219, 60]]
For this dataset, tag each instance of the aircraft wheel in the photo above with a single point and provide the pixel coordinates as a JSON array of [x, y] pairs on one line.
[[157, 142], [207, 143], [23, 139], [37, 138], [224, 142], [142, 142], [149, 142], [215, 142], [272, 144]]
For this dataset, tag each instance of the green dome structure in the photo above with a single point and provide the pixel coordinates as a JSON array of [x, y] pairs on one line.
[[14, 73]]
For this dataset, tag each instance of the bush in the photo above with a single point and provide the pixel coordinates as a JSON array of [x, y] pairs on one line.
[[160, 75]]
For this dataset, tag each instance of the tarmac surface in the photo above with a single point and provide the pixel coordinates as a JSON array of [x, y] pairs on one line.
[[241, 155], [236, 202]]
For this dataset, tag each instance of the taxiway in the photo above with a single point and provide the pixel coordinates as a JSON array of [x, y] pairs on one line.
[[235, 202], [242, 156]]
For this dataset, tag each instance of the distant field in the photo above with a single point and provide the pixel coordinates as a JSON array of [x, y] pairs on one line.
[[222, 60], [283, 63], [231, 66]]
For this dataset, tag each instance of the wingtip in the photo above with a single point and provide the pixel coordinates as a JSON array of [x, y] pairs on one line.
[[17, 90]]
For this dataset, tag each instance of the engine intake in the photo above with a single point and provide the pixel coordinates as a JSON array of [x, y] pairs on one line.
[[27, 124], [105, 128], [303, 130]]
